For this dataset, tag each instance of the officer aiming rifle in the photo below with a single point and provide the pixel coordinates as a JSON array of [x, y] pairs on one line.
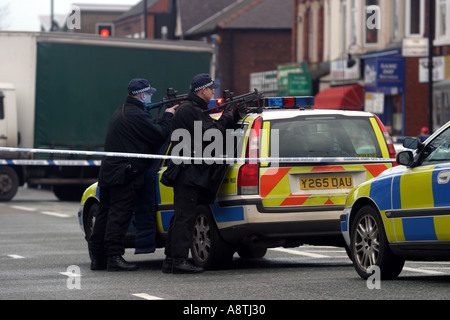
[[172, 98], [246, 103]]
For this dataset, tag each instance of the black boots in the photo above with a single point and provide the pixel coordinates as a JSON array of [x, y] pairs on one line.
[[179, 266], [98, 263], [117, 263]]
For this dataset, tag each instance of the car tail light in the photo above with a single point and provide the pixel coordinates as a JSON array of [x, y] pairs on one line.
[[389, 143], [248, 177]]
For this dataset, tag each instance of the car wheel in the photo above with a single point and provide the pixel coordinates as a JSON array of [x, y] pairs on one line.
[[89, 219], [208, 249], [369, 246]]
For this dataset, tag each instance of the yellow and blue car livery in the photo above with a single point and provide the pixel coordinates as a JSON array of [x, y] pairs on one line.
[[413, 203]]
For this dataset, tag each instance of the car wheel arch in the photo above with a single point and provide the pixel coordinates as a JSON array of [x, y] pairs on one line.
[[358, 204]]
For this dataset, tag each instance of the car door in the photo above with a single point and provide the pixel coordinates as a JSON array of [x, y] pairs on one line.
[[424, 195]]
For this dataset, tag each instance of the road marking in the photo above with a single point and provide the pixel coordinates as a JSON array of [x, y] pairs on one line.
[[422, 270], [300, 253], [70, 274], [48, 213], [23, 208], [146, 296], [55, 214], [15, 256]]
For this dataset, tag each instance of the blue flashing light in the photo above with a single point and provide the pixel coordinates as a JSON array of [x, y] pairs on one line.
[[304, 101], [274, 102], [289, 102]]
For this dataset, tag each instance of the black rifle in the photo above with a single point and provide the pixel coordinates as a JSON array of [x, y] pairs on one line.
[[172, 98], [246, 103]]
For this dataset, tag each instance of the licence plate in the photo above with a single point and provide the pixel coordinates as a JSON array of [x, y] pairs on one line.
[[329, 182]]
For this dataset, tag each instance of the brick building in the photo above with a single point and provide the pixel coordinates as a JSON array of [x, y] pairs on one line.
[[249, 35], [381, 46], [160, 20]]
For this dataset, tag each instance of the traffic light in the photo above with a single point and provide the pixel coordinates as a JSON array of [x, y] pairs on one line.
[[105, 29]]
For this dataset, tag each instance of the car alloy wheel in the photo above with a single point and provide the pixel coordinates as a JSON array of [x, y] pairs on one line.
[[367, 244], [208, 249], [370, 247]]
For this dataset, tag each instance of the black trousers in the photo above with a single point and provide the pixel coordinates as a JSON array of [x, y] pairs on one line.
[[181, 227], [117, 204]]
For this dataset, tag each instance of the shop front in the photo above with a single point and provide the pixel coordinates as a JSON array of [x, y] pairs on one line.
[[384, 83]]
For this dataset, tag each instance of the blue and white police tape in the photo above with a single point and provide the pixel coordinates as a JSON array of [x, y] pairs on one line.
[[176, 159]]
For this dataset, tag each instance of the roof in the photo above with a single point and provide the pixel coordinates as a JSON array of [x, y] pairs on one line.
[[190, 15], [137, 9], [248, 14]]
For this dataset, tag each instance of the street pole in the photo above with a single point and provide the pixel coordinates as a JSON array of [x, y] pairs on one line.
[[145, 19], [430, 65], [51, 15]]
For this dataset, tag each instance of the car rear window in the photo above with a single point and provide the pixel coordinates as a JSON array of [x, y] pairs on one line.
[[326, 136]]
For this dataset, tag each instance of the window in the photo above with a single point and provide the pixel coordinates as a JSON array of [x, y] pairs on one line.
[[442, 29], [438, 150], [415, 18], [327, 136]]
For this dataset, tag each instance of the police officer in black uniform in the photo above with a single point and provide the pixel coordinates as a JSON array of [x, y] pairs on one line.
[[194, 182], [131, 129]]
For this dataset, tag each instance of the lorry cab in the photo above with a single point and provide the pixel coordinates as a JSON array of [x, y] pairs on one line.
[[8, 116]]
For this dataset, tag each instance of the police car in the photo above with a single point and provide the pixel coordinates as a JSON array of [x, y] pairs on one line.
[[267, 203], [404, 213]]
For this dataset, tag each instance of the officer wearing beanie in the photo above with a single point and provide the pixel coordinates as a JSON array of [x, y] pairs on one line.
[[194, 184], [131, 129]]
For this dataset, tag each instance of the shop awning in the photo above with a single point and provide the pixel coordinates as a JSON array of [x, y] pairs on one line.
[[341, 98]]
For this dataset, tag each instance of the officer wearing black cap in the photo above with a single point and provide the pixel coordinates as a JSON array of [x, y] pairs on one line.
[[131, 129], [193, 185]]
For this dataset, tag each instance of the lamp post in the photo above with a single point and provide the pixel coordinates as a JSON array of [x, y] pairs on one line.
[[145, 19], [430, 64]]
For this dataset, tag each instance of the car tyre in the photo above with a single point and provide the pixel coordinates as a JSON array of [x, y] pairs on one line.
[[208, 249], [89, 219], [369, 246]]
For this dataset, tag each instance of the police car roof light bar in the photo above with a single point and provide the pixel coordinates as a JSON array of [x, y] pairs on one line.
[[278, 102], [288, 102]]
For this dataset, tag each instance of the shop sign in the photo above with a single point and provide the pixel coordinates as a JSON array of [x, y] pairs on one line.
[[340, 70], [374, 102], [286, 83], [441, 68], [384, 72]]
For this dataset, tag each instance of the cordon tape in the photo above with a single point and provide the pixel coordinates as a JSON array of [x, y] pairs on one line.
[[165, 157]]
